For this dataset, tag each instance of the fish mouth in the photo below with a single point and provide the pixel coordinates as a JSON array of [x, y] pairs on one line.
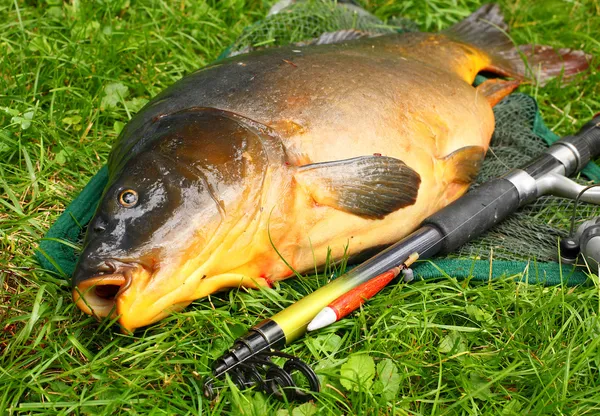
[[138, 295], [98, 295]]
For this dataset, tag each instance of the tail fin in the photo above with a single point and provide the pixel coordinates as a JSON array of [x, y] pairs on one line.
[[487, 30], [542, 63]]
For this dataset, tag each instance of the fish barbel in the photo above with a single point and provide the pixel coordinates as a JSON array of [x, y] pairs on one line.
[[262, 163]]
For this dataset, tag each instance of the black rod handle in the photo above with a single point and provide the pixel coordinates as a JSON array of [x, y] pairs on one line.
[[586, 142], [473, 213]]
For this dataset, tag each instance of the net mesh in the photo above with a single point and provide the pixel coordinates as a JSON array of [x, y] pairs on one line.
[[533, 232], [310, 19]]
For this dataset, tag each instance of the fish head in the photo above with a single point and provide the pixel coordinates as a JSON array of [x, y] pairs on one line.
[[170, 216]]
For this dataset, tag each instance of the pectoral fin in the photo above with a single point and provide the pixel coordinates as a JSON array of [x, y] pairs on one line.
[[368, 186], [463, 165]]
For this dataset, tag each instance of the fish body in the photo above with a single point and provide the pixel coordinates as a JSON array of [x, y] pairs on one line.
[[260, 164]]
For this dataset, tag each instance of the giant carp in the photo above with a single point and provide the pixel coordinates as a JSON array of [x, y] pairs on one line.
[[261, 164]]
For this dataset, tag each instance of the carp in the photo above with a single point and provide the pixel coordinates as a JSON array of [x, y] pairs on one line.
[[261, 164]]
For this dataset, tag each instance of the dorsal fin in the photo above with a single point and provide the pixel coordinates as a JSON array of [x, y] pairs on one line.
[[484, 28], [339, 36]]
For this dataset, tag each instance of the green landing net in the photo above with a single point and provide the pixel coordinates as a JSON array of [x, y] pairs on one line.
[[524, 246]]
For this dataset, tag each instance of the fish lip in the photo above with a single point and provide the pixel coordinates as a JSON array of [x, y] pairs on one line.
[[87, 299], [126, 269], [109, 272]]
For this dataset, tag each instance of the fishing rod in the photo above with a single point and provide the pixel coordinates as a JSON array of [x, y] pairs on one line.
[[249, 362]]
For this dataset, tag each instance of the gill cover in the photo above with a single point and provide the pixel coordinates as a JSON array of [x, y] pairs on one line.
[[172, 195]]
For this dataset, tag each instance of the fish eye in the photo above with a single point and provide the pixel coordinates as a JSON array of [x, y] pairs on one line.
[[128, 198]]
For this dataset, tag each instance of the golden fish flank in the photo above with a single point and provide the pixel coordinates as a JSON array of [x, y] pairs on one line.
[[354, 142]]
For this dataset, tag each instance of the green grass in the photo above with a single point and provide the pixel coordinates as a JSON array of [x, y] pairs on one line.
[[458, 346]]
